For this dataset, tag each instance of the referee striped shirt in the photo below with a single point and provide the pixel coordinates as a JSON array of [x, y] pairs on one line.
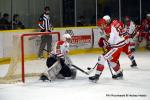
[[44, 22]]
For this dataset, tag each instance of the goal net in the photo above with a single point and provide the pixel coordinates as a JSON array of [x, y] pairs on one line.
[[24, 60]]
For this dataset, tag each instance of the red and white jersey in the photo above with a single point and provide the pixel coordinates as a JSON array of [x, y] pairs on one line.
[[130, 27], [115, 40], [61, 48], [145, 26], [126, 36]]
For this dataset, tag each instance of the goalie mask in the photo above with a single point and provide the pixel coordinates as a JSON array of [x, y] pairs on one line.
[[67, 37]]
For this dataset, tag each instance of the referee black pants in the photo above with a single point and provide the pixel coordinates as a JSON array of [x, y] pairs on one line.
[[45, 40]]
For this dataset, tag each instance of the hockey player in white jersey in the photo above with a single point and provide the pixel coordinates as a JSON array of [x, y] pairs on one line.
[[115, 43], [59, 63], [126, 48], [130, 28]]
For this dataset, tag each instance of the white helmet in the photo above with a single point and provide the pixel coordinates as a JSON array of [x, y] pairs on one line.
[[148, 15], [66, 36], [107, 18]]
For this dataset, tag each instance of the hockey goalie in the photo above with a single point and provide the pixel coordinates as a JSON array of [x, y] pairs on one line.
[[58, 63]]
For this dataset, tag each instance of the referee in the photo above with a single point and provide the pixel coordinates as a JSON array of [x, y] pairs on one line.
[[45, 26]]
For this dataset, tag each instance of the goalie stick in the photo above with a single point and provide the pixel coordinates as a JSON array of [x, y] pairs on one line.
[[80, 69]]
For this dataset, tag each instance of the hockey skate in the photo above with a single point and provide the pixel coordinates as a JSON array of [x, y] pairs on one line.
[[44, 78], [132, 49], [118, 76], [134, 65], [94, 78], [73, 73]]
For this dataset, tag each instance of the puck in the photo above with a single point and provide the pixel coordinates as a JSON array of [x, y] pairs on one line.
[[89, 68]]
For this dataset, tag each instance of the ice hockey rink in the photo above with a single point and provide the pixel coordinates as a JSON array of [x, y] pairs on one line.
[[134, 86]]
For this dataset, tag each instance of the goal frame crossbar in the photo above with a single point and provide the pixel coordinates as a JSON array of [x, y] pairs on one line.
[[22, 47]]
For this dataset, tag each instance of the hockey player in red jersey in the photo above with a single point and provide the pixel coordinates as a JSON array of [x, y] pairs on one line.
[[144, 31], [59, 63], [129, 28], [146, 24], [107, 19], [115, 43]]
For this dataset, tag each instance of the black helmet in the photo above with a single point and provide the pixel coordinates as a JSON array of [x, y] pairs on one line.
[[46, 8]]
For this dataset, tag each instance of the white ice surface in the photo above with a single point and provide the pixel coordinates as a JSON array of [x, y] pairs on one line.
[[136, 82]]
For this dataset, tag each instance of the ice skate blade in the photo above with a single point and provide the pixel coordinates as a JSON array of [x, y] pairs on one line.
[[45, 80], [134, 67], [118, 78], [93, 81]]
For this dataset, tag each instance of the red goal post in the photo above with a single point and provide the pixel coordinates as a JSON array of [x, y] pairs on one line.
[[22, 47]]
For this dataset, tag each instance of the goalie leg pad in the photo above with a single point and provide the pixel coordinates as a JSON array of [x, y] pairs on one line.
[[65, 71], [73, 73], [54, 68]]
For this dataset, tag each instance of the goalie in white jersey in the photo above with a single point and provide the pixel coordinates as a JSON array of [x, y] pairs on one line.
[[59, 63]]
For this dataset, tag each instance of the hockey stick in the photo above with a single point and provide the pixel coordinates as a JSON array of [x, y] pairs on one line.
[[110, 68], [92, 69], [80, 69], [108, 63]]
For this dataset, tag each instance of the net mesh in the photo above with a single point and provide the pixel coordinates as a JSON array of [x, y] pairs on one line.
[[33, 66]]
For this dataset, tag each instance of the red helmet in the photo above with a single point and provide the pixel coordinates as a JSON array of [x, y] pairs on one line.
[[127, 17], [115, 23], [101, 21], [121, 24]]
